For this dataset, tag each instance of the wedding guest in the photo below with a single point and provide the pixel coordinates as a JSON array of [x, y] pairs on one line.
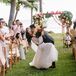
[[4, 30], [22, 31], [20, 46], [67, 39], [29, 33]]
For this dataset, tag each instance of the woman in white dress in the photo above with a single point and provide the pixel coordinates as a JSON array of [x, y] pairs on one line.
[[45, 55], [2, 60], [20, 46], [2, 57]]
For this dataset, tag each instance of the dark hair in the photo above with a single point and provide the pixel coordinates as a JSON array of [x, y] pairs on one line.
[[32, 26], [17, 20], [74, 37], [1, 19], [38, 34], [13, 23], [21, 23], [74, 25], [17, 35], [12, 38]]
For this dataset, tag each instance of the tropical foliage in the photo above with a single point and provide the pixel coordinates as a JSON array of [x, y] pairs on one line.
[[32, 2], [66, 17], [48, 15], [15, 6], [19, 3]]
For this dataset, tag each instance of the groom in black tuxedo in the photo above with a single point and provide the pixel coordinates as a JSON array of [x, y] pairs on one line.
[[47, 38]]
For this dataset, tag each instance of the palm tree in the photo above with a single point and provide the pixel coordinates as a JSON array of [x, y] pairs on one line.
[[12, 12], [17, 9], [19, 3], [34, 6], [40, 3], [15, 6]]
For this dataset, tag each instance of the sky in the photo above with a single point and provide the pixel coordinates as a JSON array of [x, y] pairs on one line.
[[48, 6]]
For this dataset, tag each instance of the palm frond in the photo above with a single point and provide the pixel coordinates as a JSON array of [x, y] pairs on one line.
[[25, 3], [5, 1], [35, 6]]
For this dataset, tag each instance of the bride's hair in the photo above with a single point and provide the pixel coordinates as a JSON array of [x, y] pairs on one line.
[[38, 34]]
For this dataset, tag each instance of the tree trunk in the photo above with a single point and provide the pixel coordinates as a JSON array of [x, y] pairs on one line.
[[16, 14], [31, 15], [12, 12], [40, 3]]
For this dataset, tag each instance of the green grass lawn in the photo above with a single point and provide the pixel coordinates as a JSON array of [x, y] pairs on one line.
[[65, 66]]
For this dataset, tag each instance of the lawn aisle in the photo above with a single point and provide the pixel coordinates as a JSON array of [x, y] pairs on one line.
[[66, 66]]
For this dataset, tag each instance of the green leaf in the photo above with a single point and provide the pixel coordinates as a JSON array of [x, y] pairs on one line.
[[47, 15], [67, 14]]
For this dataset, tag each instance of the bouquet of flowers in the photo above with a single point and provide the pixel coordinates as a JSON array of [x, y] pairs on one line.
[[38, 19]]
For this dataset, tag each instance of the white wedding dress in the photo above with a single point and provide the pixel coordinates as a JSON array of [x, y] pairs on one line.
[[46, 54], [2, 58]]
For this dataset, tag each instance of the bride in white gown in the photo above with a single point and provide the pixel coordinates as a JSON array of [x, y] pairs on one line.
[[45, 55]]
